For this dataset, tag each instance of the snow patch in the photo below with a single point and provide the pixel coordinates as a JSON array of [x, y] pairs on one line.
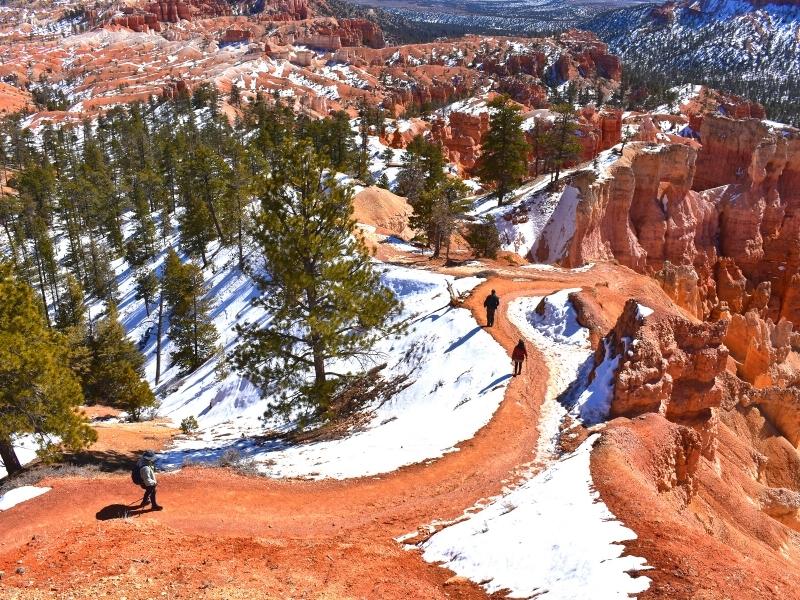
[[550, 538], [21, 494]]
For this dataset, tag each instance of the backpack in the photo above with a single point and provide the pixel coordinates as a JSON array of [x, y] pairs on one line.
[[136, 475]]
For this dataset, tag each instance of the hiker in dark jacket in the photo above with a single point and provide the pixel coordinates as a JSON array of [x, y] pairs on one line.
[[518, 356], [491, 303], [147, 472]]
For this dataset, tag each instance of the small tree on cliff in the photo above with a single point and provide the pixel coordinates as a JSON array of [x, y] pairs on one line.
[[561, 143], [38, 390], [324, 300], [504, 153]]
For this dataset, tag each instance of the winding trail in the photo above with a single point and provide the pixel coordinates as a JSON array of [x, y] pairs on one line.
[[282, 538]]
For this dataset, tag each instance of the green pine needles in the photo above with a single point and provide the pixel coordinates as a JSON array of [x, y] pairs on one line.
[[324, 300]]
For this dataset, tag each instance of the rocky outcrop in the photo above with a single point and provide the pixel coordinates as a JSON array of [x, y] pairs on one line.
[[741, 239], [760, 349], [342, 33], [586, 56], [669, 365], [172, 11], [461, 136], [235, 35]]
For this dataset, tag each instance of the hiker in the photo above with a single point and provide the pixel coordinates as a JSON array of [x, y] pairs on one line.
[[518, 356], [147, 475], [491, 303]]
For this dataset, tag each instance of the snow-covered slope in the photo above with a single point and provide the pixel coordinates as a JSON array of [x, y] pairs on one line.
[[457, 375], [456, 379], [728, 44]]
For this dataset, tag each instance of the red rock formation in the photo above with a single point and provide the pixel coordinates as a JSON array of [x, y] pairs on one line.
[[234, 35], [336, 34], [760, 348], [669, 365], [172, 11], [176, 89], [586, 56], [461, 136], [647, 210]]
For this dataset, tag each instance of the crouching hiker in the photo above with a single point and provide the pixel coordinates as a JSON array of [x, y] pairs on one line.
[[145, 468], [518, 356]]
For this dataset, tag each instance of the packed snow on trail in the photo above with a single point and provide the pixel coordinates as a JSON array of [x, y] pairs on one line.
[[551, 537]]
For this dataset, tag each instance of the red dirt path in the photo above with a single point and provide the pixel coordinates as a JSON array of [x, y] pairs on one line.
[[224, 535]]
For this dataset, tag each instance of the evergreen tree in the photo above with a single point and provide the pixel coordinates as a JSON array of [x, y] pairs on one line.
[[319, 287], [422, 170], [146, 288], [117, 369], [191, 329], [38, 390], [72, 320], [504, 152], [563, 147], [448, 205]]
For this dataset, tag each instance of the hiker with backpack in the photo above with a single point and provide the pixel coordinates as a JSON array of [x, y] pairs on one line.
[[144, 475], [518, 356], [490, 304]]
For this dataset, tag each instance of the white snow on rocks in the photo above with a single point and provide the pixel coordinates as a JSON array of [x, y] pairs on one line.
[[643, 311], [551, 538], [561, 227], [21, 494]]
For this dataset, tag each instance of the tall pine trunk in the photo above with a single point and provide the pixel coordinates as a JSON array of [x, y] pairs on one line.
[[196, 355], [9, 457], [315, 343], [158, 334]]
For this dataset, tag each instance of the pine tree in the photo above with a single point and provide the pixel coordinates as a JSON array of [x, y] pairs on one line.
[[38, 390], [448, 205], [563, 147], [422, 170], [191, 329], [117, 370], [319, 287], [504, 152], [146, 288], [72, 320]]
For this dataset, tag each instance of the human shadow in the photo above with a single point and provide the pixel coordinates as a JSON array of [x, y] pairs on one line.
[[463, 339], [495, 383], [120, 511]]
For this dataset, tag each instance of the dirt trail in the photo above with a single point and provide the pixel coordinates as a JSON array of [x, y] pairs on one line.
[[284, 538]]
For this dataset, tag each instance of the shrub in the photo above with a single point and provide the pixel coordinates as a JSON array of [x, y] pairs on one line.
[[189, 424], [484, 238]]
